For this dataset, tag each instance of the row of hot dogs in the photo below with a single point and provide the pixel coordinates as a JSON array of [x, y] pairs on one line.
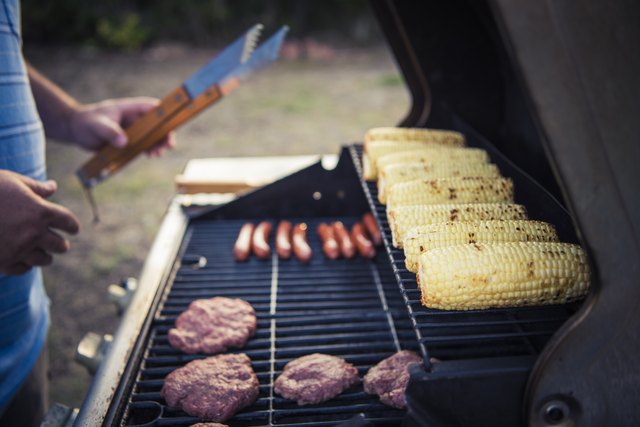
[[337, 240]]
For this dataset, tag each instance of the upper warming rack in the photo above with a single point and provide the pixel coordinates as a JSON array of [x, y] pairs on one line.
[[474, 334]]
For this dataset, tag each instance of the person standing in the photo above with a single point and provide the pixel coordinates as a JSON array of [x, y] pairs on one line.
[[32, 228]]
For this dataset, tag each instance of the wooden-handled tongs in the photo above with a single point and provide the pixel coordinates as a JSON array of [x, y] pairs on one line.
[[208, 85]]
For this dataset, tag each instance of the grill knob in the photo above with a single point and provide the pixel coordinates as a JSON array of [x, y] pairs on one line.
[[60, 416], [120, 294], [92, 349]]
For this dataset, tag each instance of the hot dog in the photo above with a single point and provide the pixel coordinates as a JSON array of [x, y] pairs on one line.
[[372, 228], [283, 240], [242, 247], [260, 240], [347, 248], [329, 243], [364, 245], [301, 248]]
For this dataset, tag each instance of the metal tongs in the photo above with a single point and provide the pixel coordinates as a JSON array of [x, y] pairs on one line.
[[208, 85]]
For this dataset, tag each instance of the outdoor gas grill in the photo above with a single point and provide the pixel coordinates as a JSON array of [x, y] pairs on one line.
[[514, 78]]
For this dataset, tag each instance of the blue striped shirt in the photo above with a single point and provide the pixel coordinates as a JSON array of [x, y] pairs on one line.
[[24, 306]]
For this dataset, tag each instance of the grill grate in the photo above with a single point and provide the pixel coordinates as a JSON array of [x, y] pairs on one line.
[[464, 335], [348, 308]]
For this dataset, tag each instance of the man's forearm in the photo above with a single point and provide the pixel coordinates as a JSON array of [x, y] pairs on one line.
[[55, 106]]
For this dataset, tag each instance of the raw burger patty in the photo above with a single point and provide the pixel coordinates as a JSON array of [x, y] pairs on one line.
[[389, 378], [315, 378], [213, 325], [214, 388]]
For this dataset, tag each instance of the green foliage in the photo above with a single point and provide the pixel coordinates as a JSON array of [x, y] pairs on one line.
[[130, 24], [126, 33], [391, 80]]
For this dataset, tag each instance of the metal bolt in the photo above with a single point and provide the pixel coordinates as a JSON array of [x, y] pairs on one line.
[[555, 412]]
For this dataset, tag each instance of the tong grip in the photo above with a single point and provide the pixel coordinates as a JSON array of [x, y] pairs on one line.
[[208, 97], [142, 135]]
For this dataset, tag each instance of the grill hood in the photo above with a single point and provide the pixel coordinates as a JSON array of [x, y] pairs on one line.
[[556, 87]]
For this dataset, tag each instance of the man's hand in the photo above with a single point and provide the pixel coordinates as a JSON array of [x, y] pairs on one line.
[[29, 224], [92, 126]]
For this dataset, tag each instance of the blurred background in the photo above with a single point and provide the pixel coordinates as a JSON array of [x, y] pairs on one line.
[[335, 80]]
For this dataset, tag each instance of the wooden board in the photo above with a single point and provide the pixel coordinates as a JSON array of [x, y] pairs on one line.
[[237, 174]]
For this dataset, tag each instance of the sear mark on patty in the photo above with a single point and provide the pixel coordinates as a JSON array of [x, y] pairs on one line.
[[214, 388], [389, 378], [213, 325], [315, 378]]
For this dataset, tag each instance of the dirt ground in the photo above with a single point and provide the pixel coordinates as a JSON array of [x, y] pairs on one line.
[[304, 104]]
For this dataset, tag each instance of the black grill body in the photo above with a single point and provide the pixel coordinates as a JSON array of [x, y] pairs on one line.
[[359, 309]]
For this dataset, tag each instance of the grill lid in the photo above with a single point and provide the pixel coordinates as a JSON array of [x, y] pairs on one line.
[[556, 86]]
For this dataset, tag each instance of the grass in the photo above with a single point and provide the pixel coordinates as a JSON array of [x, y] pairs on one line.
[[108, 259], [391, 80]]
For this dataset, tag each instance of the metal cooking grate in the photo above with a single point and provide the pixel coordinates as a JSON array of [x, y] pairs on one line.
[[454, 335], [348, 308]]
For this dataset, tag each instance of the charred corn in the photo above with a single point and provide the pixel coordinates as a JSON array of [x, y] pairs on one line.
[[486, 275], [433, 155], [403, 218], [451, 190], [396, 173], [423, 238], [413, 134], [375, 149]]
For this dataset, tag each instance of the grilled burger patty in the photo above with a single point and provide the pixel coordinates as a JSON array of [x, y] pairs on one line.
[[213, 325], [389, 378], [214, 388], [315, 378]]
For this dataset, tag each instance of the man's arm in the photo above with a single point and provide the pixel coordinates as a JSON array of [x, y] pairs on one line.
[[90, 126], [31, 227], [55, 106]]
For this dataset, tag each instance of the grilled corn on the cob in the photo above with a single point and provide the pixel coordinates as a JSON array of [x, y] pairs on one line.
[[451, 190], [427, 237], [403, 218], [412, 134], [375, 149], [433, 155], [486, 275], [396, 173]]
